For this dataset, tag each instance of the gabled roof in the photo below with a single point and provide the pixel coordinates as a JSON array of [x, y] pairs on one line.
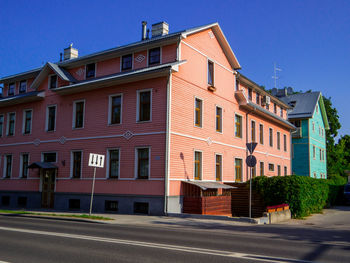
[[222, 41], [60, 72], [304, 106]]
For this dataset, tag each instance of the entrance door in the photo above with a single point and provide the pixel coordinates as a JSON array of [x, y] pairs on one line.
[[48, 188]]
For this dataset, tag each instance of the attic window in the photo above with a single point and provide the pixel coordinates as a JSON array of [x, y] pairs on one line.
[[127, 62], [11, 90], [210, 73], [90, 70], [22, 86], [154, 56], [53, 82], [292, 103]]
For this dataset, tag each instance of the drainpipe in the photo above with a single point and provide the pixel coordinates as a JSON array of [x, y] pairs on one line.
[[247, 169], [167, 145]]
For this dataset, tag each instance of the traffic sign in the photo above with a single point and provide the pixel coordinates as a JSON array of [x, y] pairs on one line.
[[251, 146], [250, 161], [96, 160]]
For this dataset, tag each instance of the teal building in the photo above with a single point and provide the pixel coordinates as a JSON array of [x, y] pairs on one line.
[[308, 114]]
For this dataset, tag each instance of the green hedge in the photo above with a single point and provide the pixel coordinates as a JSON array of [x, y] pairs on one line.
[[305, 195]]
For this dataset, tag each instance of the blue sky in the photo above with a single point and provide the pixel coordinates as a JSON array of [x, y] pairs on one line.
[[309, 40]]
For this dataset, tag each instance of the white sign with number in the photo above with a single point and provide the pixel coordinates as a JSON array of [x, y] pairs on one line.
[[96, 160]]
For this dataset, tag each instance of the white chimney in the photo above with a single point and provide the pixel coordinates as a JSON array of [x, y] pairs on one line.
[[160, 29], [70, 52]]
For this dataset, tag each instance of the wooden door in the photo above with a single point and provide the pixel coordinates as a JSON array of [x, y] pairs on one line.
[[48, 188]]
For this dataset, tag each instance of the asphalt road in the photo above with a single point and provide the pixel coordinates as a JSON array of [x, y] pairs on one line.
[[44, 240]]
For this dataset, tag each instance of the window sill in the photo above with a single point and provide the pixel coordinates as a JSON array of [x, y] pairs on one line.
[[211, 88], [114, 124], [143, 121], [77, 128], [142, 179]]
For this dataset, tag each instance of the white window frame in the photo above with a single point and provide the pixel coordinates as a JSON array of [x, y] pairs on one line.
[[263, 137], [49, 81], [8, 124], [72, 163], [138, 105], [271, 139], [5, 165], [42, 155], [47, 117], [19, 86], [24, 122], [285, 142], [278, 140], [121, 62], [201, 165], [213, 80], [160, 56], [194, 112], [251, 137], [110, 108], [222, 167], [8, 89], [222, 118], [268, 167], [234, 126], [21, 165], [314, 152], [74, 114], [137, 162], [234, 170], [108, 163]]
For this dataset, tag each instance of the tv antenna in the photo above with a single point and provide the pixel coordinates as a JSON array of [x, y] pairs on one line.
[[275, 69]]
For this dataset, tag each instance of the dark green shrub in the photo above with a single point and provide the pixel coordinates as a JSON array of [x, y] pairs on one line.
[[336, 189]]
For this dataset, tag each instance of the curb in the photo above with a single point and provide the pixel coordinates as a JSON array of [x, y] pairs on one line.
[[261, 220]]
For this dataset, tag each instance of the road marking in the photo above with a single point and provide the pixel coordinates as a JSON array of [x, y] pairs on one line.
[[160, 246]]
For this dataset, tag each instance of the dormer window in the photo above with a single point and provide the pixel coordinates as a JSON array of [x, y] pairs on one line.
[[258, 98], [275, 108], [53, 82], [90, 70], [127, 62], [210, 73], [11, 90], [250, 94], [23, 86], [292, 103], [154, 56], [281, 112]]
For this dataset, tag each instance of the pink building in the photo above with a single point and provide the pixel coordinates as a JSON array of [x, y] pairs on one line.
[[167, 111]]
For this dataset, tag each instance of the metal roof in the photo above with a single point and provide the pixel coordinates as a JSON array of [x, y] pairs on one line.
[[209, 185], [304, 104], [42, 165], [21, 98]]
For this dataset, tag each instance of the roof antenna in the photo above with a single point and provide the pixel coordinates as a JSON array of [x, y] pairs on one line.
[[275, 69]]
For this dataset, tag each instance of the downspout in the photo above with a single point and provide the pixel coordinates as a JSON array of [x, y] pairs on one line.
[[167, 144], [246, 137]]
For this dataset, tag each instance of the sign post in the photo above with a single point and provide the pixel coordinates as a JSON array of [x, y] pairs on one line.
[[251, 162], [95, 160]]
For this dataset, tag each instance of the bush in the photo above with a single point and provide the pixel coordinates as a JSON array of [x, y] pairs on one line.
[[305, 195], [336, 189]]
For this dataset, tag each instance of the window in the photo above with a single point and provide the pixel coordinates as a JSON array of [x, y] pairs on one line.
[[144, 105], [285, 171], [238, 126], [314, 175], [261, 133], [262, 169], [314, 152], [11, 118], [113, 156], [24, 165], [141, 208], [253, 131], [210, 73], [5, 200], [271, 137], [198, 113], [197, 165], [50, 157], [74, 204], [238, 170], [278, 140], [52, 81], [284, 142], [76, 160], [115, 109], [218, 119], [258, 98], [22, 201], [27, 122], [250, 94], [320, 155], [218, 167], [111, 206], [90, 70], [317, 108], [279, 170], [253, 171], [154, 56], [78, 114], [275, 108], [23, 86], [267, 106], [8, 166], [51, 118], [281, 112], [142, 162], [313, 126], [237, 84], [127, 62], [1, 125], [271, 167], [11, 89]]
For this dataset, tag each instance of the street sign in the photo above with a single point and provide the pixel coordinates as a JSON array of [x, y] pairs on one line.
[[251, 146], [96, 160], [250, 161]]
